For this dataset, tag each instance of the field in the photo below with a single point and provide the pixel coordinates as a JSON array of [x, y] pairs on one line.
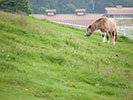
[[42, 60], [125, 22]]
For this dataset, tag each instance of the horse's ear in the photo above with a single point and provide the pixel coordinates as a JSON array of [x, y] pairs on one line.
[[89, 26]]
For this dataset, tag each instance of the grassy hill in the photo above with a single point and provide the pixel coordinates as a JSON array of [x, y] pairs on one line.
[[41, 60]]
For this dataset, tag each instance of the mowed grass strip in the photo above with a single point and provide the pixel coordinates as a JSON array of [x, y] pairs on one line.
[[42, 60]]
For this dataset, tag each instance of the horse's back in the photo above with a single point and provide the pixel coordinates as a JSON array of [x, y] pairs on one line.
[[112, 21], [111, 24]]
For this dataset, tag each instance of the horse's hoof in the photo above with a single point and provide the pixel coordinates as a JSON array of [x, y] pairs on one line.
[[104, 41], [113, 43]]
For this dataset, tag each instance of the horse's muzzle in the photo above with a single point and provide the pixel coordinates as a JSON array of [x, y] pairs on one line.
[[88, 34]]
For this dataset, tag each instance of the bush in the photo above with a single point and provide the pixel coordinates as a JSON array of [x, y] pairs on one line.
[[15, 6]]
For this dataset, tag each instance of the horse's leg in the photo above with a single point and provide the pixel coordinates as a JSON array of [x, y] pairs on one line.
[[107, 38], [103, 37], [113, 38], [107, 35]]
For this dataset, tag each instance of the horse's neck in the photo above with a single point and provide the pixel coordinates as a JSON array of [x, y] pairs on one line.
[[95, 26]]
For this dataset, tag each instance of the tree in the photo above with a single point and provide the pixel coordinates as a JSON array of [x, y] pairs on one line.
[[66, 6], [41, 10], [15, 6], [69, 8], [92, 2]]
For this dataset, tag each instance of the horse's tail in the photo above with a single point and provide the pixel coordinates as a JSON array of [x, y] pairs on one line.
[[115, 36]]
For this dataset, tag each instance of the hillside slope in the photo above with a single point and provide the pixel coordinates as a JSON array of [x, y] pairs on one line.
[[41, 60]]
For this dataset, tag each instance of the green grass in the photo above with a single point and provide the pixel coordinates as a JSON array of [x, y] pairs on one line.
[[125, 22], [41, 60]]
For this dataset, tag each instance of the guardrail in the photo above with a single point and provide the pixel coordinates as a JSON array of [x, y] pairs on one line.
[[74, 25], [120, 30], [125, 34]]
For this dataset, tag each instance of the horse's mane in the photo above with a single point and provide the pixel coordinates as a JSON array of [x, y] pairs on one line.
[[101, 20], [98, 20]]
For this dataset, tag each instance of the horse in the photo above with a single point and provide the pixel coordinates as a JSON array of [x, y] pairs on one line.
[[105, 25]]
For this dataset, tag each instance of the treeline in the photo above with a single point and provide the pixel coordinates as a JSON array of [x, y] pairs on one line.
[[61, 6], [15, 6], [69, 6]]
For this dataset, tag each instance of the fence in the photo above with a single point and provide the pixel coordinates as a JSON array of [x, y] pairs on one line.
[[74, 25], [120, 30]]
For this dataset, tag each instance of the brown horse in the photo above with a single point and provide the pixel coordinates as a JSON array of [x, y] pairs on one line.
[[107, 25]]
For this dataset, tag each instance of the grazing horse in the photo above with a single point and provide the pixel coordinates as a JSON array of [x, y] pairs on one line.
[[104, 24]]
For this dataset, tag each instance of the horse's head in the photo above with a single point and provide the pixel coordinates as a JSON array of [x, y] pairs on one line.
[[89, 31]]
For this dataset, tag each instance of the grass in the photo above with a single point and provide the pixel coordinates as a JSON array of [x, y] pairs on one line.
[[41, 60], [125, 22]]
